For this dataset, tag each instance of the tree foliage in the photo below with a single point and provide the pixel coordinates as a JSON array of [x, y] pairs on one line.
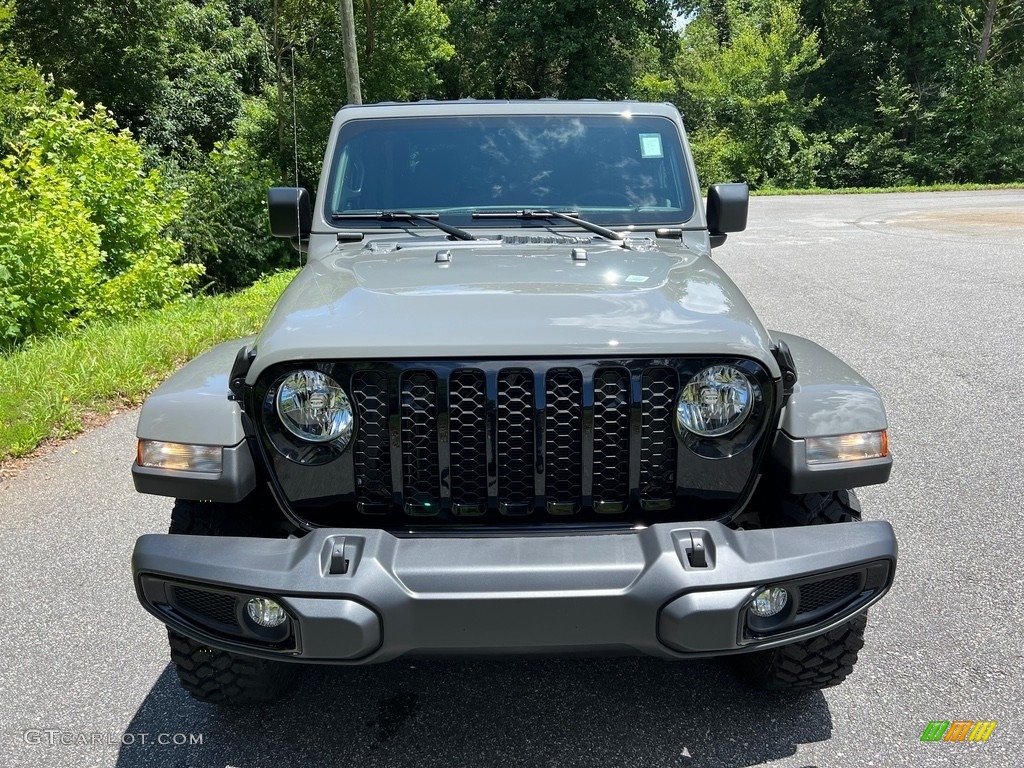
[[224, 99], [81, 225], [745, 97], [564, 48]]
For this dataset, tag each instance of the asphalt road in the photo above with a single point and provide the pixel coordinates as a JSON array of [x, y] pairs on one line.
[[922, 293]]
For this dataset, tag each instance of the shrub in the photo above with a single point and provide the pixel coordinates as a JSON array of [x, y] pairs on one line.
[[82, 225]]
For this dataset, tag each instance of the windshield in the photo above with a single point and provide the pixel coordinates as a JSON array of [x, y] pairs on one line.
[[612, 169]]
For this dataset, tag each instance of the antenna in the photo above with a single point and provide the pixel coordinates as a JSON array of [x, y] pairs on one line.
[[295, 153]]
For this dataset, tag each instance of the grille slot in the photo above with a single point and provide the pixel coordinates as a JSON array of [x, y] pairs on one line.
[[372, 449], [419, 442], [819, 594], [563, 439], [657, 439], [515, 440], [611, 438], [213, 606], [467, 427]]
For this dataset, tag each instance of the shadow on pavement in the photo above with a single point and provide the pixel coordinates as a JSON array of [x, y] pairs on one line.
[[422, 713]]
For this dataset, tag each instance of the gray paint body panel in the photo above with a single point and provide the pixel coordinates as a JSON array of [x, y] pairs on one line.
[[830, 398], [192, 406], [523, 301], [515, 594]]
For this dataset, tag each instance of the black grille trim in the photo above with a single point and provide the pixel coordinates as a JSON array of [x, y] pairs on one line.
[[372, 449], [442, 443], [420, 466]]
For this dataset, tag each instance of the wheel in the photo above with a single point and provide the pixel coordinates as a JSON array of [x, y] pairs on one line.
[[208, 674], [825, 660]]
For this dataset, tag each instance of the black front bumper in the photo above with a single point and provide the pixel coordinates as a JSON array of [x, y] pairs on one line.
[[671, 590]]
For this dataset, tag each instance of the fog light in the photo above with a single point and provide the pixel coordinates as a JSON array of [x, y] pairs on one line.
[[266, 612], [769, 602]]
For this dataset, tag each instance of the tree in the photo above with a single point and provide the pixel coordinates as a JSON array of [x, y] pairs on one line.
[[111, 52], [214, 60], [1001, 24], [348, 44], [745, 99], [20, 85], [564, 48]]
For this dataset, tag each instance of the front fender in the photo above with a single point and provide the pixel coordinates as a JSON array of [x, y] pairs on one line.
[[829, 398], [193, 407]]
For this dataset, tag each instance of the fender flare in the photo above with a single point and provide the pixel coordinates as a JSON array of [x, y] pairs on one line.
[[829, 398], [194, 406]]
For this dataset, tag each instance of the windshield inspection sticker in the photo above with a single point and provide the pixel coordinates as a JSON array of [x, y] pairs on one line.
[[650, 145], [636, 279]]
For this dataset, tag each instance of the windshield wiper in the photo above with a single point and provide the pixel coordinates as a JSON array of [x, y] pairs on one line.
[[429, 218], [572, 216]]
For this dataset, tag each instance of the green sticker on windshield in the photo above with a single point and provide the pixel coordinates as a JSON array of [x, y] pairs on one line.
[[650, 145]]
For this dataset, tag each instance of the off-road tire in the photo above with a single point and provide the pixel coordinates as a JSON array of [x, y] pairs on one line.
[[815, 508], [208, 674], [821, 662], [825, 660], [219, 677]]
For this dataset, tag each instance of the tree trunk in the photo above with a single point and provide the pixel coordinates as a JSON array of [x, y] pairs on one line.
[[986, 31], [348, 45]]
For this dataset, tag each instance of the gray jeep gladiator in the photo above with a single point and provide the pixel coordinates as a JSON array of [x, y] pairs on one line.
[[511, 405]]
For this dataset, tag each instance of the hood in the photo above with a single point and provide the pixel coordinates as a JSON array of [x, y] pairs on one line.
[[517, 297]]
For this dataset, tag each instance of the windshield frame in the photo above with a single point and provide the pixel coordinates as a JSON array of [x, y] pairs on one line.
[[664, 154]]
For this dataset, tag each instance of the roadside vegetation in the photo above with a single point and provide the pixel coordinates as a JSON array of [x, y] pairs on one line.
[[137, 139], [51, 387]]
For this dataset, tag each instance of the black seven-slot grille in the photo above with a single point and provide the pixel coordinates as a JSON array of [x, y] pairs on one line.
[[507, 441], [520, 439]]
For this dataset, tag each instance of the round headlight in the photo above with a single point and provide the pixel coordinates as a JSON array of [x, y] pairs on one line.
[[314, 407], [715, 402]]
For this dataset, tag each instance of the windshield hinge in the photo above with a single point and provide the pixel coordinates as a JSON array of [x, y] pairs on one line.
[[239, 370], [780, 350]]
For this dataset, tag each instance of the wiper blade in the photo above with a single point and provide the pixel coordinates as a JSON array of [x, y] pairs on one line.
[[572, 216], [429, 218]]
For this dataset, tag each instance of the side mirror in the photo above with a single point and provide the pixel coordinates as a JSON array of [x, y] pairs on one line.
[[291, 215], [727, 210]]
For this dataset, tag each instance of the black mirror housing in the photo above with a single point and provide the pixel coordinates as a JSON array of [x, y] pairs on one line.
[[291, 213], [727, 208]]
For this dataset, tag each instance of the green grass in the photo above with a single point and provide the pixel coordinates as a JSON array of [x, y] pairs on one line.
[[50, 387], [887, 190]]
